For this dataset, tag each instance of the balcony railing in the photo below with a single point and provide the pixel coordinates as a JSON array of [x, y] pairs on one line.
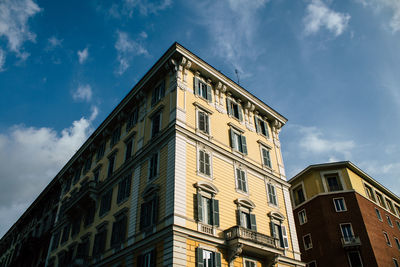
[[87, 192], [247, 234], [351, 241]]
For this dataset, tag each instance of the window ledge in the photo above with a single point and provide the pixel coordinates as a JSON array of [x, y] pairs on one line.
[[197, 104]]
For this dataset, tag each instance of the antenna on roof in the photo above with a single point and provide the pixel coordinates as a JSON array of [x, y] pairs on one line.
[[237, 76]]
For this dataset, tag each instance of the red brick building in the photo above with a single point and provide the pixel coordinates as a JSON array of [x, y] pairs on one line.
[[345, 218]]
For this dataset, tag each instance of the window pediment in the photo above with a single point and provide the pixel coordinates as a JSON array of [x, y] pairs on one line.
[[276, 216], [150, 189], [206, 186], [245, 202]]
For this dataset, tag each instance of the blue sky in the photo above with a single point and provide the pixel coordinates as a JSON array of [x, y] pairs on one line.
[[331, 67]]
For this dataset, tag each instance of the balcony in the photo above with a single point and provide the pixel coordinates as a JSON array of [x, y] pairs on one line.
[[351, 242], [252, 242], [83, 198]]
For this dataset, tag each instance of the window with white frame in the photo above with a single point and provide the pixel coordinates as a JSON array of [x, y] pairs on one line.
[[390, 206], [154, 165], [238, 141], [207, 258], [278, 230], [234, 109], [302, 217], [207, 205], [250, 263], [202, 89], [241, 180], [272, 199], [158, 93], [204, 162], [380, 199], [347, 232], [244, 216], [261, 126], [354, 258], [203, 121], [378, 214], [387, 239], [155, 124], [389, 220], [265, 152], [307, 242], [370, 193], [397, 209], [340, 204], [333, 182]]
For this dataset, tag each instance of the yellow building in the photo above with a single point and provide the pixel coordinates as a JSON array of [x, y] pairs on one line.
[[340, 203], [186, 171]]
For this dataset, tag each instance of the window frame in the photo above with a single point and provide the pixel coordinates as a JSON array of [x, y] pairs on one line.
[[205, 151], [397, 242], [206, 190], [112, 158], [294, 194], [396, 263], [129, 147], [340, 208], [115, 136], [381, 199], [105, 202], [378, 214], [304, 242], [238, 183], [304, 220], [266, 161], [132, 119], [238, 140], [337, 173], [119, 228], [124, 188], [261, 124], [389, 220], [311, 262], [274, 195], [216, 257], [246, 260], [201, 87], [359, 256], [341, 226], [387, 239], [155, 133], [158, 92], [369, 191], [154, 170], [232, 106]]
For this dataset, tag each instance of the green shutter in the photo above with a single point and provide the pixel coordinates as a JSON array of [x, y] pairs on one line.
[[209, 96], [257, 124], [266, 128], [196, 86], [240, 110], [232, 135], [284, 235], [238, 219], [244, 145], [228, 106], [253, 222], [199, 257], [199, 207], [217, 259], [215, 207]]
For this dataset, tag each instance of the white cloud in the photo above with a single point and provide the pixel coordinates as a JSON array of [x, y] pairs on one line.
[[2, 59], [53, 42], [319, 15], [126, 50], [83, 55], [14, 15], [391, 5], [234, 34], [144, 7], [83, 93], [29, 158]]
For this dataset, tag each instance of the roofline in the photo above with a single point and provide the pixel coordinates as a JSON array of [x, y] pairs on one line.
[[352, 167]]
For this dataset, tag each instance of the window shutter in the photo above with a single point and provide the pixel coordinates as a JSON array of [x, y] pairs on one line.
[[253, 222], [257, 124], [240, 110], [285, 239], [199, 257], [232, 134], [215, 206], [142, 215], [207, 163], [162, 89], [202, 126], [196, 85], [199, 207], [266, 128], [206, 123], [238, 218], [244, 145], [201, 161], [217, 259], [155, 209], [209, 96], [272, 226], [128, 187], [228, 106]]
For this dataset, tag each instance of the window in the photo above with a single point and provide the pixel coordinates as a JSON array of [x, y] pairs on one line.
[[67, 185], [155, 124], [302, 217], [247, 219], [333, 182], [238, 141], [105, 204], [203, 121], [124, 189], [266, 157], [396, 264], [311, 264], [347, 232], [202, 89], [128, 148], [261, 126], [56, 240], [398, 210], [389, 220], [88, 164], [234, 109], [99, 244], [65, 234], [279, 232], [111, 164], [307, 241], [241, 181], [153, 165], [77, 175], [82, 251], [204, 163], [298, 195], [390, 205], [147, 259], [149, 213], [249, 263], [119, 229], [100, 151], [272, 195], [76, 226], [340, 205], [397, 243], [89, 215], [354, 259], [132, 120], [158, 93], [398, 224], [115, 136], [207, 210], [387, 239], [380, 199], [378, 214], [370, 192], [206, 258]]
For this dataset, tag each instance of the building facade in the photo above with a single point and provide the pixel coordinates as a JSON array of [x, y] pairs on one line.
[[344, 217], [186, 171]]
